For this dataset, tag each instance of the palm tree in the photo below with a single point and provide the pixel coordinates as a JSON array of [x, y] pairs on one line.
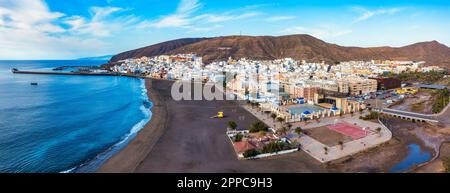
[[267, 113], [289, 125], [232, 125], [273, 115], [378, 131], [299, 130], [325, 150], [280, 119], [258, 106], [341, 144]]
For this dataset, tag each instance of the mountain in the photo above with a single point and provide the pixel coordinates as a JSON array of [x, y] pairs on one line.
[[300, 47], [106, 57], [157, 49]]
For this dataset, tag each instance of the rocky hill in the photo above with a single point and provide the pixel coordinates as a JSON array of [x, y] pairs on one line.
[[301, 47]]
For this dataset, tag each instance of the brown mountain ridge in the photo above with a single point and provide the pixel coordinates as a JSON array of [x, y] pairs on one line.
[[300, 47]]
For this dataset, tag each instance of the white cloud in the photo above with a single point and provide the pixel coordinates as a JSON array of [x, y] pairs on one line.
[[28, 14], [188, 6], [279, 18], [366, 14], [211, 18], [322, 32], [101, 23], [185, 17], [181, 17], [29, 29]]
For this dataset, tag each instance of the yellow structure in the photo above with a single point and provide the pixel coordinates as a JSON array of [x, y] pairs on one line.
[[219, 115], [409, 90]]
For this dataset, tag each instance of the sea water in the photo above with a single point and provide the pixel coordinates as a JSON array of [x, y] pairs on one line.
[[65, 123]]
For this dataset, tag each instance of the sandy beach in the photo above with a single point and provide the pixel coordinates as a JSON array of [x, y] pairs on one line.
[[182, 138]]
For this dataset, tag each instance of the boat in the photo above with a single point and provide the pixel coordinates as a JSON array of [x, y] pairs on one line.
[[34, 83]]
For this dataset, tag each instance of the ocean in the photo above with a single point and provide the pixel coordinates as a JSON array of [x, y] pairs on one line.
[[66, 123]]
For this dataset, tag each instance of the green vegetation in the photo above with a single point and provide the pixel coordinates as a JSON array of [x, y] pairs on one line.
[[232, 125], [341, 144], [238, 137], [425, 77], [299, 130], [378, 130], [274, 147], [441, 101], [372, 115], [258, 126], [273, 115], [251, 153], [280, 119]]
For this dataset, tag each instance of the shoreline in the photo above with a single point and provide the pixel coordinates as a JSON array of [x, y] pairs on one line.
[[130, 157]]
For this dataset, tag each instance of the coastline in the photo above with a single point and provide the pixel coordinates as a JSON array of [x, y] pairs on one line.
[[130, 157]]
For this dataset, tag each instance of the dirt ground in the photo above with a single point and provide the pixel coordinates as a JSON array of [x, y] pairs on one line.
[[436, 166], [327, 136], [422, 102], [378, 159]]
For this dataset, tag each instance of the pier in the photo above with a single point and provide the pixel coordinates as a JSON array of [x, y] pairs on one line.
[[16, 71], [67, 73]]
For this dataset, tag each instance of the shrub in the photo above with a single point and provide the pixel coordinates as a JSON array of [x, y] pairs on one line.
[[238, 137], [232, 125], [258, 126], [251, 153], [441, 101], [274, 147], [372, 115], [273, 115], [298, 130]]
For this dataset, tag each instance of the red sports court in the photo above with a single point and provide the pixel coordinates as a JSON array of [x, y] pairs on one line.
[[352, 131]]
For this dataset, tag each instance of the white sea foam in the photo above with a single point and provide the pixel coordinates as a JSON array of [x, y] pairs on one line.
[[133, 131], [69, 170]]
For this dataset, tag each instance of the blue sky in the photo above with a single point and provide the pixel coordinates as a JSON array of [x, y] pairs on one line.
[[56, 29]]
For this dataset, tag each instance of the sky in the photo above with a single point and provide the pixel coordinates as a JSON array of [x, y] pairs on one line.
[[56, 29]]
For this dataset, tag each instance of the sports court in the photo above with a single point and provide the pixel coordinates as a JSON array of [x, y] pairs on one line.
[[352, 131]]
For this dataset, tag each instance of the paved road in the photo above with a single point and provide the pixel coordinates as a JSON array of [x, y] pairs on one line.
[[443, 117], [409, 114]]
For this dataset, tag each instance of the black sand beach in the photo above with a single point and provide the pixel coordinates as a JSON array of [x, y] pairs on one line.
[[181, 137]]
